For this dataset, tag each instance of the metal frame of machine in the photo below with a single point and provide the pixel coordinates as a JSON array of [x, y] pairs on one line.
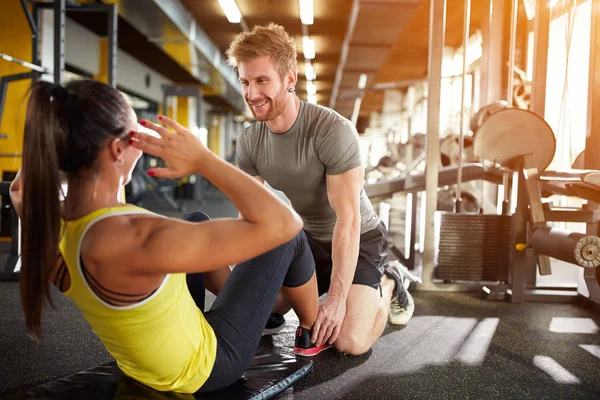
[[10, 271]]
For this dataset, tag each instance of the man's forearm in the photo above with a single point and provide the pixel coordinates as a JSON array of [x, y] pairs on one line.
[[344, 254]]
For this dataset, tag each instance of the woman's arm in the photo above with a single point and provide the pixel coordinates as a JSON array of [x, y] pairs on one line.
[[161, 245]]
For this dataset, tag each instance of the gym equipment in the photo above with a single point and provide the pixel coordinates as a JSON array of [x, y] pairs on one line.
[[578, 163], [511, 133], [142, 185], [447, 176], [473, 247], [484, 113], [572, 247], [60, 8], [267, 375], [415, 183]]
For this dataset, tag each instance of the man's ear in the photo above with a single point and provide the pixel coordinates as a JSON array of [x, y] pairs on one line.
[[292, 78]]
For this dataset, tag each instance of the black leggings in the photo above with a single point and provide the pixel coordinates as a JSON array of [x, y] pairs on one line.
[[242, 308]]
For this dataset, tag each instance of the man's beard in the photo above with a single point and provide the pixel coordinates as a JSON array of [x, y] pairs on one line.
[[276, 107]]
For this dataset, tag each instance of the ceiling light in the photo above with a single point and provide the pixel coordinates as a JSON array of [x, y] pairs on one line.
[[311, 88], [362, 81], [231, 10], [308, 46], [309, 71], [312, 98], [306, 12]]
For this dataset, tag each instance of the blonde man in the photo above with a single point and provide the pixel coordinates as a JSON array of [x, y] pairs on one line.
[[311, 154]]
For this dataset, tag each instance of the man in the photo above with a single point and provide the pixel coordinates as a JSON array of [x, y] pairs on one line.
[[311, 154]]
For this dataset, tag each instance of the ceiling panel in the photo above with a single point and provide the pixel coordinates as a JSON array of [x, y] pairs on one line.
[[389, 42], [330, 24]]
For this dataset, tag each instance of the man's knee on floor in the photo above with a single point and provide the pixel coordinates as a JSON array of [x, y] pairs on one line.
[[353, 344]]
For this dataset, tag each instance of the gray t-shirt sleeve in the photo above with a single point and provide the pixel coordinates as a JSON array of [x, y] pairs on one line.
[[339, 150], [243, 157]]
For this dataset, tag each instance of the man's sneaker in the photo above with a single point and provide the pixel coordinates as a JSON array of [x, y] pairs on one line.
[[275, 323], [402, 305], [304, 347]]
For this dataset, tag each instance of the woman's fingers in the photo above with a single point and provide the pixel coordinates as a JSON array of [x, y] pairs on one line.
[[147, 144], [173, 124], [163, 132]]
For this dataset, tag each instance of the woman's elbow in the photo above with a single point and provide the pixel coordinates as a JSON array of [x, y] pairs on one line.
[[290, 226]]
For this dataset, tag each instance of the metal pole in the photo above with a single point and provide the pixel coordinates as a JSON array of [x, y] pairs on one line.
[[22, 63], [112, 45], [540, 57], [461, 137], [511, 51], [59, 41], [32, 24], [35, 39], [437, 26]]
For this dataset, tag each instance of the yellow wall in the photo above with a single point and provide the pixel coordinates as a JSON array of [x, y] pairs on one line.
[[15, 40]]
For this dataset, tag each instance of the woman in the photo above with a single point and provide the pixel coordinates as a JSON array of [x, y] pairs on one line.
[[126, 268]]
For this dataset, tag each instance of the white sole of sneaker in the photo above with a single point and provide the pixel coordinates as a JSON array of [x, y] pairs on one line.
[[402, 319]]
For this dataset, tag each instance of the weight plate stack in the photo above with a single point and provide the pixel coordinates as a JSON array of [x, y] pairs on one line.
[[472, 247]]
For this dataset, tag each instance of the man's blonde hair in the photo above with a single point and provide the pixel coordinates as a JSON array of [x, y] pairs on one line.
[[270, 40]]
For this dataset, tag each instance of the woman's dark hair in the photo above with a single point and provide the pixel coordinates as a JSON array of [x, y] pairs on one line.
[[64, 129]]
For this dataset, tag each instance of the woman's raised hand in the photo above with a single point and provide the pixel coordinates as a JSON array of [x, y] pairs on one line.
[[181, 150]]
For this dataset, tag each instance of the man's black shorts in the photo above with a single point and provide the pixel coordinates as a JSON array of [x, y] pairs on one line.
[[369, 269]]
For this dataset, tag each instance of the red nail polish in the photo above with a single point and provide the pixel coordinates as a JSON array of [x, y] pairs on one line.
[[151, 173], [131, 141], [160, 117], [142, 122], [132, 133]]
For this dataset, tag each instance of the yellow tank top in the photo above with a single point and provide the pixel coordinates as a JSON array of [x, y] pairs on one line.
[[163, 341]]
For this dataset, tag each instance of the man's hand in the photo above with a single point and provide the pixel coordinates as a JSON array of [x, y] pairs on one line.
[[329, 320]]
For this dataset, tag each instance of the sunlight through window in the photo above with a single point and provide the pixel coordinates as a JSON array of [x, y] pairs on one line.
[[475, 348], [592, 349], [555, 370], [573, 325]]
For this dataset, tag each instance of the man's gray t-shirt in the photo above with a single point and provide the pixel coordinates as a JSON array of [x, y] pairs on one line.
[[321, 142]]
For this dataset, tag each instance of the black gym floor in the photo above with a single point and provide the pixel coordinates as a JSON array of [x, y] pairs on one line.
[[457, 346]]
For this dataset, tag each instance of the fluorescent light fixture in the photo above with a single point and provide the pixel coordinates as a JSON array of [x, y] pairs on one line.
[[306, 12], [309, 71], [311, 88], [312, 98], [552, 3], [308, 46], [231, 10], [362, 81]]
